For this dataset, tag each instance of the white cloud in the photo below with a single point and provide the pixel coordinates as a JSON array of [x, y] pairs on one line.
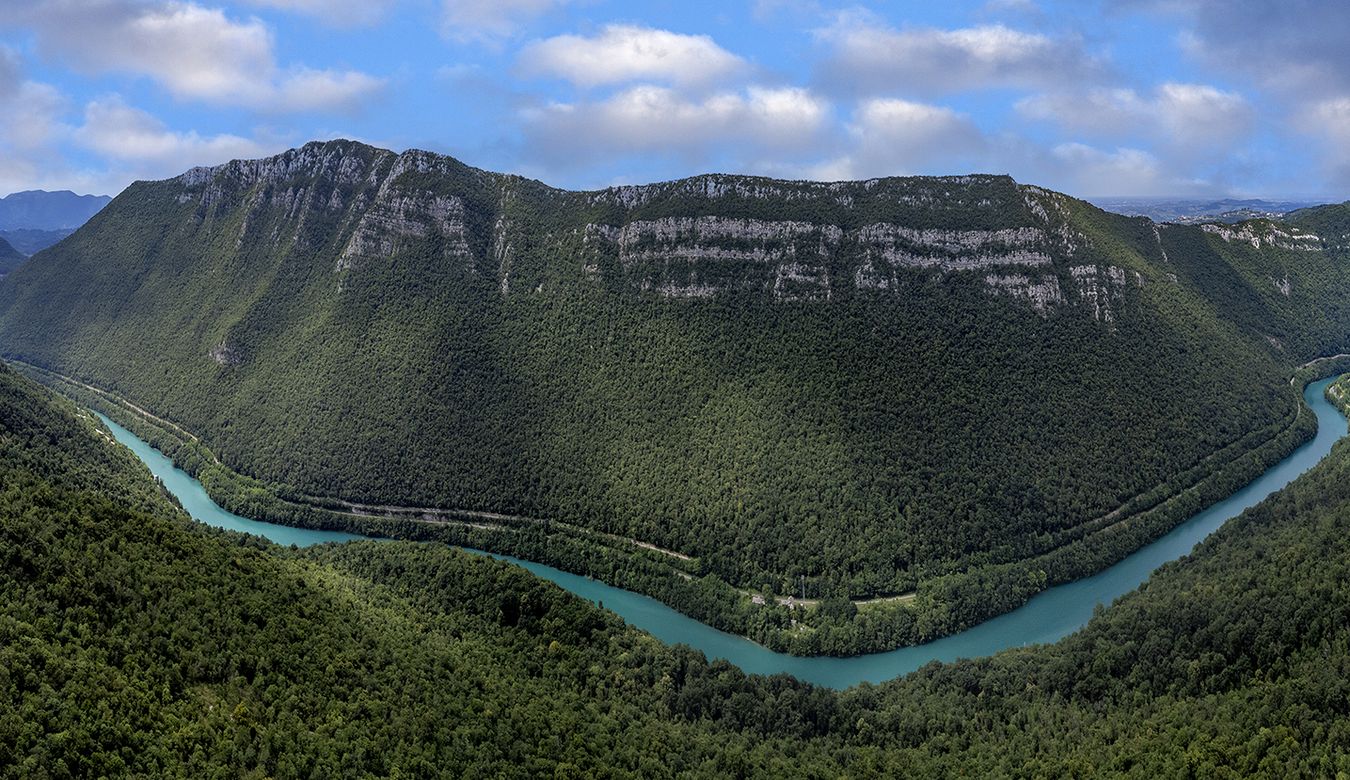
[[32, 117], [491, 21], [868, 57], [1328, 121], [195, 52], [306, 89], [1332, 113], [31, 129], [901, 138], [1097, 110], [623, 53], [892, 137], [148, 148], [918, 127], [1296, 52], [40, 141], [658, 119], [1296, 48], [1195, 114], [1086, 170], [1187, 117]]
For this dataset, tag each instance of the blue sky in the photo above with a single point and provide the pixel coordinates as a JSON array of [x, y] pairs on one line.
[[1097, 97]]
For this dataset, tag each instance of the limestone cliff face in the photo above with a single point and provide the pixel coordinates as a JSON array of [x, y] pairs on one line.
[[1042, 295], [889, 249], [698, 257], [794, 242], [1019, 240], [358, 202], [1101, 289], [1259, 235], [792, 260], [399, 218]]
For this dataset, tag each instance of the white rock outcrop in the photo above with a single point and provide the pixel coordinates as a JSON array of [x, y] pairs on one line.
[[953, 250], [685, 256], [693, 257], [1043, 294], [397, 217], [225, 355], [1271, 236], [1100, 288]]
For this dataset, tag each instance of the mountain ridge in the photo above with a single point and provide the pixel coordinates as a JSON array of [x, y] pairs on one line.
[[975, 241], [959, 386]]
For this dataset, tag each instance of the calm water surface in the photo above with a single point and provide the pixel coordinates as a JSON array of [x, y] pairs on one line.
[[1052, 614]]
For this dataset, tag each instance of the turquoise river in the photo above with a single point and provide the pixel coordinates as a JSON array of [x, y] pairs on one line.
[[1052, 614]]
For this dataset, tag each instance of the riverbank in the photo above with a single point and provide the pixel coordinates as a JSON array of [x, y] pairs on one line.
[[940, 607], [1048, 616]]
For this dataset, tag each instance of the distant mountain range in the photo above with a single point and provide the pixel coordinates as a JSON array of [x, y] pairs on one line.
[[30, 242], [41, 210], [1193, 211], [33, 220]]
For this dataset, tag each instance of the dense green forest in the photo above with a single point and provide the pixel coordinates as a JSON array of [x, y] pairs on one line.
[[10, 258], [136, 643], [959, 387], [826, 626]]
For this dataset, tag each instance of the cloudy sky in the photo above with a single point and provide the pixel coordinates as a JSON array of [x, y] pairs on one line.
[[1092, 97]]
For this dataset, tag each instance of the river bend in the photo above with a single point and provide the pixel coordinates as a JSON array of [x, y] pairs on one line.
[[1048, 616]]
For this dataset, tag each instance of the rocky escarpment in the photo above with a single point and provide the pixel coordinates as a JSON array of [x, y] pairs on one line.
[[698, 257], [1037, 257], [1101, 288], [1260, 234], [889, 251], [1042, 295], [396, 221], [794, 242], [364, 203]]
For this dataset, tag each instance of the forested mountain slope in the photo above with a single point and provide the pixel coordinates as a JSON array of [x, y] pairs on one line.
[[10, 258], [962, 385], [134, 643]]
